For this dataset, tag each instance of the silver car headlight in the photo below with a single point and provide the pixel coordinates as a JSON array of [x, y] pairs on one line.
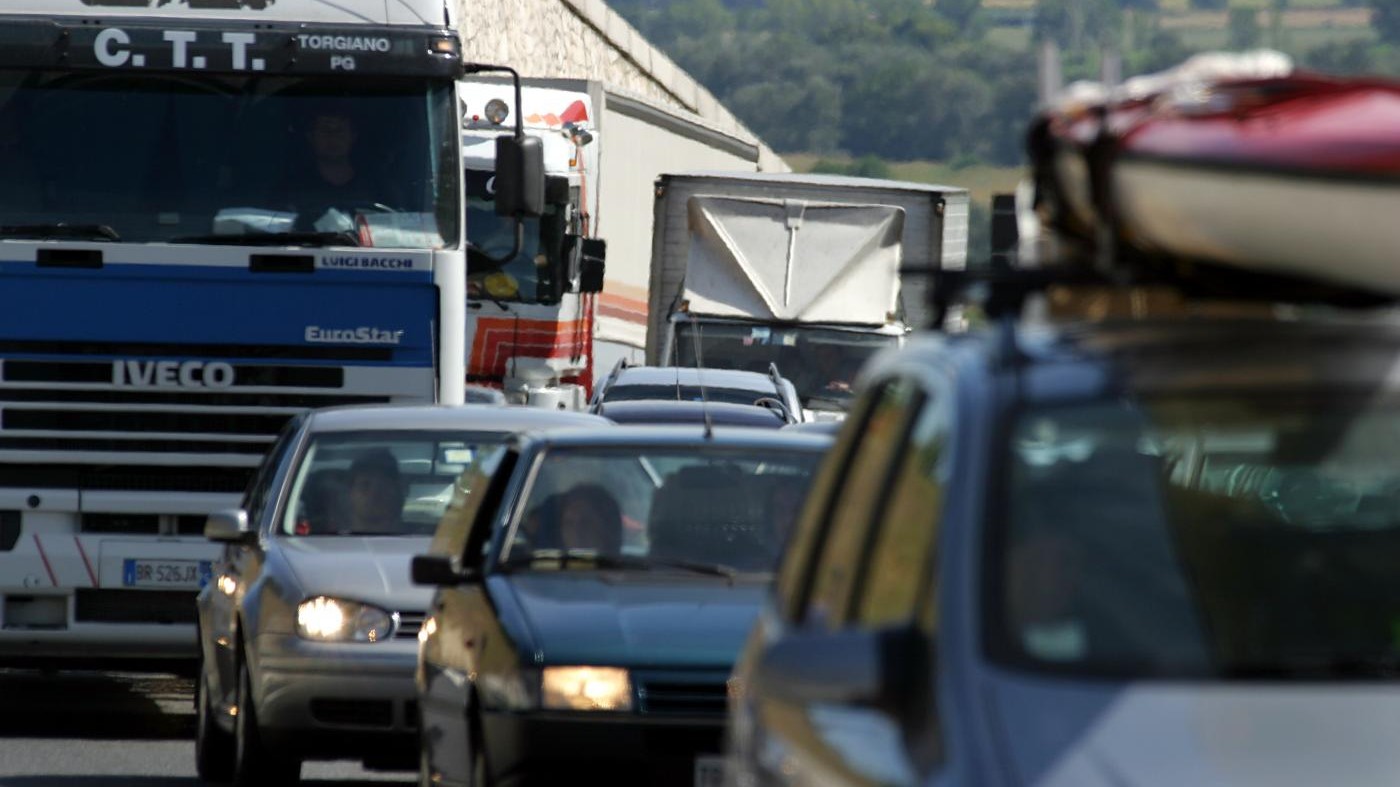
[[586, 688], [326, 619]]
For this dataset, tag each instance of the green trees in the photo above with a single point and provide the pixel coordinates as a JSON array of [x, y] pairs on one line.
[[911, 79], [1385, 18], [1244, 28]]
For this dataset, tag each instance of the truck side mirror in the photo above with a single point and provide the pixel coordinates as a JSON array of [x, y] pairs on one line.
[[519, 176], [584, 260], [591, 267]]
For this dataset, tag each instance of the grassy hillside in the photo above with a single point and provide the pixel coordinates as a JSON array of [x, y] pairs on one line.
[[982, 180]]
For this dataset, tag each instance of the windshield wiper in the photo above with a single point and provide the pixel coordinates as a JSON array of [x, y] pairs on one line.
[[319, 239], [592, 558], [59, 231]]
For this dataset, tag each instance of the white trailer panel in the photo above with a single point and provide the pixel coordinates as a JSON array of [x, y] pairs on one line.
[[641, 140]]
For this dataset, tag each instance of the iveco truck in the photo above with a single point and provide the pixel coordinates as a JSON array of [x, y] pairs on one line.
[[213, 214]]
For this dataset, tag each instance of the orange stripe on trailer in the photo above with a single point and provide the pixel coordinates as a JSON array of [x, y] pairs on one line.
[[640, 318], [623, 302]]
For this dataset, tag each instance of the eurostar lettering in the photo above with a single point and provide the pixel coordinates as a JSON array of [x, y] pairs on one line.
[[343, 43], [376, 263], [361, 335], [112, 48], [172, 374]]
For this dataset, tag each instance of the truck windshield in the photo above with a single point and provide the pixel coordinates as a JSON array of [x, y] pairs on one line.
[[531, 274], [822, 363], [1235, 536], [165, 158]]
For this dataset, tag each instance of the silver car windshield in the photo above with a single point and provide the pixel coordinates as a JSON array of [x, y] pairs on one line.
[[719, 507], [1239, 535], [381, 483], [211, 159]]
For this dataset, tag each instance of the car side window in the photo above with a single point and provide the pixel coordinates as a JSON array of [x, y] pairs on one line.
[[899, 577], [260, 491], [795, 568], [855, 506]]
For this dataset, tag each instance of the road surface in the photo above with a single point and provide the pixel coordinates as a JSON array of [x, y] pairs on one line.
[[75, 729]]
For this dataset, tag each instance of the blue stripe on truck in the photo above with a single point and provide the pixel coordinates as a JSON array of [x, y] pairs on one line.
[[207, 305]]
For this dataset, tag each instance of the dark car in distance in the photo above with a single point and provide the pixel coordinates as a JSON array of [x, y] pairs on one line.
[[593, 600]]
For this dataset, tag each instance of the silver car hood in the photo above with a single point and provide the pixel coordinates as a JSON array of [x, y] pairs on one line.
[[1241, 734], [372, 569]]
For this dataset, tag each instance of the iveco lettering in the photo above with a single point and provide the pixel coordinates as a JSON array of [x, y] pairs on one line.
[[190, 374]]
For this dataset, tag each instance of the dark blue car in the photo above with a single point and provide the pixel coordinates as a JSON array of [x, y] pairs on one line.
[[595, 590]]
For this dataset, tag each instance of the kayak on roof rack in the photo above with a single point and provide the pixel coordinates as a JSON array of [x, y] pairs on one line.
[[1235, 160]]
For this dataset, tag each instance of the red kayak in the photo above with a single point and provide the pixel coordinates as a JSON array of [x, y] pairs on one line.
[[1296, 175]]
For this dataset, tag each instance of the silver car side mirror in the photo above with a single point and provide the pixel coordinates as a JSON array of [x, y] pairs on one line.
[[228, 526]]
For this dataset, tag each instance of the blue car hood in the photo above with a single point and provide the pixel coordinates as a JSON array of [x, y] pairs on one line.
[[635, 620]]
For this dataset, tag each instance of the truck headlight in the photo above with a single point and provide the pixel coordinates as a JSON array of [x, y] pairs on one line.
[[586, 688], [497, 111], [328, 619]]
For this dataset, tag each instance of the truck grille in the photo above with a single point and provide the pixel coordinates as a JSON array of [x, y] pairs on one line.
[[108, 605], [107, 424]]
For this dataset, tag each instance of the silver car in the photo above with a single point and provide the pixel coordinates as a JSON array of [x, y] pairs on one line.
[[308, 632]]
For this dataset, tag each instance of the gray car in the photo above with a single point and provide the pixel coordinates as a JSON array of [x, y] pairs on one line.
[[689, 384], [308, 632]]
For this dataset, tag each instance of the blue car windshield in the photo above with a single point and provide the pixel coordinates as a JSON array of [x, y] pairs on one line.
[[207, 159], [717, 506], [1232, 535]]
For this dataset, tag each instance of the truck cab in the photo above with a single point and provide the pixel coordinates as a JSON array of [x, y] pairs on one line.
[[213, 216], [530, 320]]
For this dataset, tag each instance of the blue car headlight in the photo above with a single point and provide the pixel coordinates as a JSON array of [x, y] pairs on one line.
[[326, 619], [586, 688]]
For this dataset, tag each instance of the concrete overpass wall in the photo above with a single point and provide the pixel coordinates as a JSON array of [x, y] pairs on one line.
[[585, 39]]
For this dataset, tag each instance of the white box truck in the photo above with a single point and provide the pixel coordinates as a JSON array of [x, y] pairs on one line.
[[801, 271]]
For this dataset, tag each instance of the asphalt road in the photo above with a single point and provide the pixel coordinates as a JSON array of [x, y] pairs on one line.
[[74, 729]]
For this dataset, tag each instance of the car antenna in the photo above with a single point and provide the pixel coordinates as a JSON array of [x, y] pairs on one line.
[[700, 383]]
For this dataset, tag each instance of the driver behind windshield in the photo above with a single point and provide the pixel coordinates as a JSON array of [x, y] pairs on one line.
[[586, 517], [376, 493], [828, 371], [332, 187]]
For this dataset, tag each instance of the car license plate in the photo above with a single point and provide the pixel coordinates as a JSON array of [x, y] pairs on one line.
[[709, 772], [139, 573]]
